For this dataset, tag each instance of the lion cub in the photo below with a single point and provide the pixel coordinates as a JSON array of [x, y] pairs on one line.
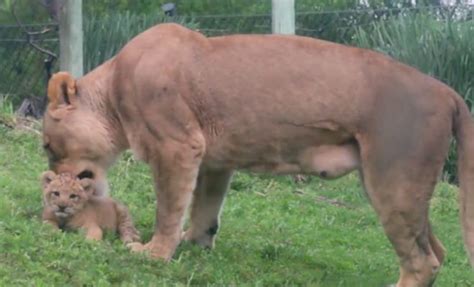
[[70, 203]]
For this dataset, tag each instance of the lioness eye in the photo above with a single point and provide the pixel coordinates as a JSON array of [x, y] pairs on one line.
[[55, 193], [73, 196]]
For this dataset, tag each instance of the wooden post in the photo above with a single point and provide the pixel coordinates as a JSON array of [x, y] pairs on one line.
[[283, 17], [70, 37]]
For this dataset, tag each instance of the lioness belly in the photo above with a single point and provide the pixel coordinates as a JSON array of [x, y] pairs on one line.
[[327, 161], [327, 154]]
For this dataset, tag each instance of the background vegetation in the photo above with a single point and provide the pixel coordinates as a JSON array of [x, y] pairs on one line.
[[105, 36], [33, 11]]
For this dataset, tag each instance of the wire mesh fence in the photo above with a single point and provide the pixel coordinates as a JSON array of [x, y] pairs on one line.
[[22, 69], [341, 25], [338, 25], [218, 25]]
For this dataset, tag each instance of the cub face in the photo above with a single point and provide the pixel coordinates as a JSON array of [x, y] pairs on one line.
[[65, 194]]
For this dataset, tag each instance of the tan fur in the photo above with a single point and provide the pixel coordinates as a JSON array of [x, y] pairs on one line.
[[63, 92], [83, 209], [197, 108]]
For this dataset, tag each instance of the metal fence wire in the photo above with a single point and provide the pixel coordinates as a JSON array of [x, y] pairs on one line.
[[23, 75], [338, 26], [218, 25], [341, 25], [22, 71]]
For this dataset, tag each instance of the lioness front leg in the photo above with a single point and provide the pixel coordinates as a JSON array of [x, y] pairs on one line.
[[208, 198], [175, 175]]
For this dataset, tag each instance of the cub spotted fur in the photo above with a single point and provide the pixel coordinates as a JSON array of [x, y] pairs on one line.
[[69, 203]]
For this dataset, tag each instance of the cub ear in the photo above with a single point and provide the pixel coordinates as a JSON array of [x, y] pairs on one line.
[[61, 94], [47, 177], [88, 185]]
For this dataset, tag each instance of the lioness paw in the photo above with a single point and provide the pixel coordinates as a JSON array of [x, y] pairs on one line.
[[152, 249], [135, 246], [130, 238]]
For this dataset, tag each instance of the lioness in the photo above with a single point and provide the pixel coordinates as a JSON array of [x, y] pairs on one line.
[[71, 203], [197, 108]]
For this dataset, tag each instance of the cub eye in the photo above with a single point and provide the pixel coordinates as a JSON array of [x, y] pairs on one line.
[[73, 196], [55, 193]]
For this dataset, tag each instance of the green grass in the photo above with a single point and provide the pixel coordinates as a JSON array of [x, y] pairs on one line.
[[274, 232]]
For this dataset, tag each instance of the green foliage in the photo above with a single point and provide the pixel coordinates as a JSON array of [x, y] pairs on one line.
[[105, 36], [236, 7], [6, 106], [336, 26], [441, 48], [184, 7], [223, 7], [233, 7], [28, 11], [273, 232], [22, 72], [309, 5]]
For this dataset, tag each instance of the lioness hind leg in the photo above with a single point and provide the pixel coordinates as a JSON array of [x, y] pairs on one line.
[[403, 211], [207, 201], [402, 153], [402, 202]]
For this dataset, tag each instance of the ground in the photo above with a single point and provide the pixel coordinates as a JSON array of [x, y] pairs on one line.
[[274, 232]]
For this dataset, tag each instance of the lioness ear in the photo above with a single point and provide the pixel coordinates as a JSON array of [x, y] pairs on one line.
[[61, 93], [47, 177], [88, 185]]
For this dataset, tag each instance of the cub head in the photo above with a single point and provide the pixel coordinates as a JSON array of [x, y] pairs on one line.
[[65, 194], [76, 134]]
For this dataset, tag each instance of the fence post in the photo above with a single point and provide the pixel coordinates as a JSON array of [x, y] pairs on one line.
[[70, 38], [283, 17]]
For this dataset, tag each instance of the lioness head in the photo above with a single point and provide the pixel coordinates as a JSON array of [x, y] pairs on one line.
[[76, 132], [64, 193]]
